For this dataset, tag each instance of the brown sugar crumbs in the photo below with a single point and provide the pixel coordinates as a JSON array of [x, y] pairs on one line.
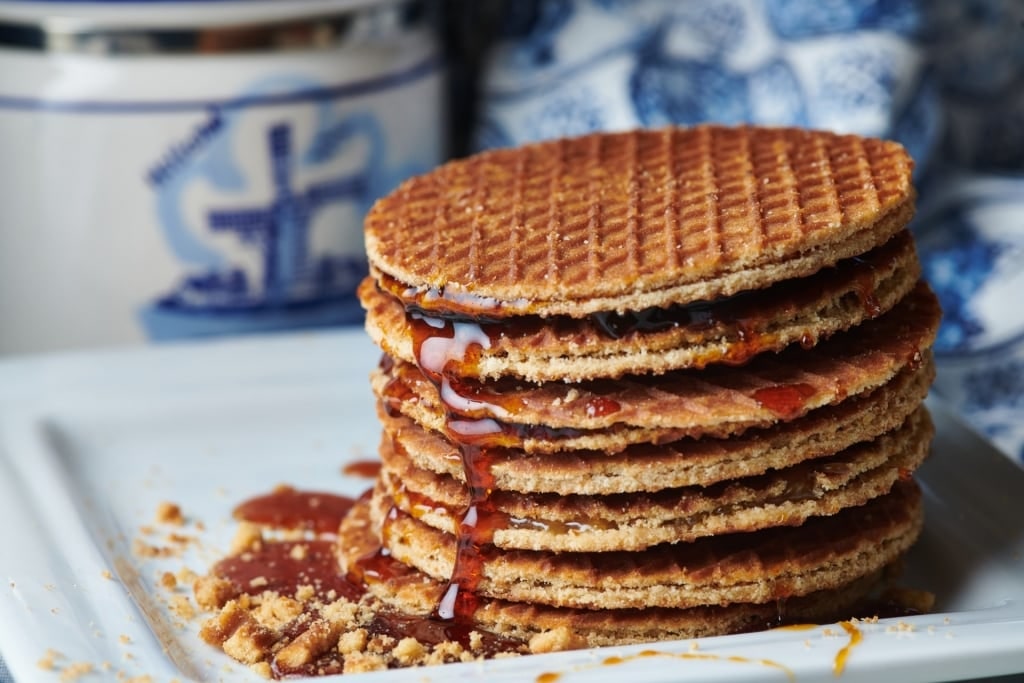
[[340, 636], [283, 608], [169, 513]]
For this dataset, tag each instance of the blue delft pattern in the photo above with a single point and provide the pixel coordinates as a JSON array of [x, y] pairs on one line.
[[293, 287], [944, 78]]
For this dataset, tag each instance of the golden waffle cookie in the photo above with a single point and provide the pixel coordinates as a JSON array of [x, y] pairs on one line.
[[687, 462], [610, 344], [579, 523], [598, 628], [413, 592], [634, 220], [716, 401], [824, 553]]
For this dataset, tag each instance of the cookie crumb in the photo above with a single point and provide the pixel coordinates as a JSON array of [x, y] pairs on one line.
[[145, 550], [180, 539], [352, 642], [186, 576], [168, 581], [212, 592], [262, 669], [275, 611], [182, 607], [900, 627], [169, 513], [72, 672], [555, 640], [49, 659], [247, 641], [409, 651], [321, 636], [107, 575], [362, 662], [248, 537]]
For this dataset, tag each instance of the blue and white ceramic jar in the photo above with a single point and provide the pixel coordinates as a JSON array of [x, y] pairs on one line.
[[177, 169]]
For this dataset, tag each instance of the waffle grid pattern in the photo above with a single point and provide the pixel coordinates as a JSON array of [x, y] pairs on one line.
[[601, 214]]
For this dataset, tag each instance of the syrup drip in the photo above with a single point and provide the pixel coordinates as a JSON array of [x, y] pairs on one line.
[[844, 654], [367, 469], [864, 288], [444, 349], [378, 565], [602, 406], [480, 521], [288, 508], [616, 660], [785, 400], [284, 566]]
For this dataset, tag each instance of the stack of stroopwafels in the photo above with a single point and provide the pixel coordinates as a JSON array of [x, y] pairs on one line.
[[646, 385]]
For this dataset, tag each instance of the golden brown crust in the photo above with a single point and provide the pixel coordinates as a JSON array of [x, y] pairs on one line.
[[687, 462], [625, 221], [779, 574], [579, 523], [823, 553], [414, 592], [716, 401], [802, 310]]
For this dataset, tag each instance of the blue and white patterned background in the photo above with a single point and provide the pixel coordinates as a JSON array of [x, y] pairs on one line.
[[944, 78]]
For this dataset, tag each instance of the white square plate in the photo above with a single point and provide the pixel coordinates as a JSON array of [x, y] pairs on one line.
[[91, 443]]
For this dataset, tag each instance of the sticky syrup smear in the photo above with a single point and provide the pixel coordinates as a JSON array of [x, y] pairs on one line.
[[839, 665], [287, 566], [785, 400], [444, 349], [693, 655], [365, 469], [288, 508]]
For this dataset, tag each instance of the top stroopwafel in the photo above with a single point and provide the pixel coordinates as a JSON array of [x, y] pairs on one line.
[[633, 220]]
